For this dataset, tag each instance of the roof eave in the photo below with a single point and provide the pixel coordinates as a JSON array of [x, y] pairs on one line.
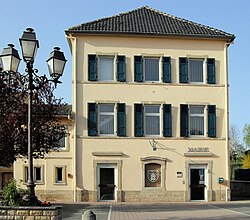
[[229, 38]]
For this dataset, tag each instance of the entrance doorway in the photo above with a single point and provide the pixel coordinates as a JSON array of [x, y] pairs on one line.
[[107, 183], [197, 176]]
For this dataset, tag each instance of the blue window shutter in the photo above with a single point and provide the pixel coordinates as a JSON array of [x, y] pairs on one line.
[[167, 120], [138, 69], [166, 69], [183, 70], [212, 121], [138, 120], [121, 119], [211, 71], [92, 68], [184, 121], [92, 119], [121, 68]]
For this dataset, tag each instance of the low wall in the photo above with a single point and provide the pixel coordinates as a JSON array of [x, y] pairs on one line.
[[31, 213], [240, 189]]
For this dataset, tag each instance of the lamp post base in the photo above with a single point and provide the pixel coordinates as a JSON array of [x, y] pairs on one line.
[[31, 198]]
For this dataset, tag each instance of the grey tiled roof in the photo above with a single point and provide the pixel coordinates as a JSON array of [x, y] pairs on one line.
[[64, 110], [148, 21]]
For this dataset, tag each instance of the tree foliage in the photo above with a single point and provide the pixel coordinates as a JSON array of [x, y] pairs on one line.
[[246, 161], [236, 148], [13, 194], [246, 135], [46, 127]]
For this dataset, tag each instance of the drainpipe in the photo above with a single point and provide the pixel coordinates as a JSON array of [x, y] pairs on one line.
[[228, 196], [74, 109], [75, 130]]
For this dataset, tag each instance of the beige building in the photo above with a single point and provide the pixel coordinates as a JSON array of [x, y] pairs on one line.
[[150, 106]]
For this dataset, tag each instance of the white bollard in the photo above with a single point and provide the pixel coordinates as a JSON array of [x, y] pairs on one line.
[[88, 215]]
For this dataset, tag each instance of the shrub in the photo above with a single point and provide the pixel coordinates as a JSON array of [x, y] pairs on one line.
[[13, 194], [246, 161]]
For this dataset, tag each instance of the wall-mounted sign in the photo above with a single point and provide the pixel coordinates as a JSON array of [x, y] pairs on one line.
[[179, 174], [198, 149]]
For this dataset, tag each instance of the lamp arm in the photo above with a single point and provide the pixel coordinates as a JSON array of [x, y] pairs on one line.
[[37, 81]]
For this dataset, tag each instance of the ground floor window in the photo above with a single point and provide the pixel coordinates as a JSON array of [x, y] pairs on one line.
[[60, 174], [37, 174]]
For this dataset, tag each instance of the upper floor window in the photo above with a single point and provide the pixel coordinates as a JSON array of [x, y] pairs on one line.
[[147, 120], [148, 69], [106, 119], [151, 69], [103, 68], [152, 119], [103, 119], [193, 121], [196, 120], [194, 71], [60, 141], [106, 68]]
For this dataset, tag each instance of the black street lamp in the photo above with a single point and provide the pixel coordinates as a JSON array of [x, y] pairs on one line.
[[10, 62]]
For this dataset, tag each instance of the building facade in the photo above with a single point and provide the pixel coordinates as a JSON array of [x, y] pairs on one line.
[[52, 174], [150, 106]]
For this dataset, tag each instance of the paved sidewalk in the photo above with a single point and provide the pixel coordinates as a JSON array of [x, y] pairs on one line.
[[175, 211], [160, 211]]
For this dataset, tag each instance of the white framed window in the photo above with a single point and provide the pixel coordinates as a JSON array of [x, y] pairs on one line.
[[197, 121], [62, 143], [105, 68], [152, 120], [106, 119], [37, 174], [196, 70], [60, 174], [151, 69]]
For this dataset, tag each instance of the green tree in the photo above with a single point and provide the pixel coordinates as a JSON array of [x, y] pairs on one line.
[[246, 161], [13, 194], [246, 135]]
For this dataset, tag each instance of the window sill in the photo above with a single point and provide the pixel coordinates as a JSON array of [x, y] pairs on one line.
[[153, 83], [41, 183], [151, 137], [106, 135], [60, 184], [60, 150]]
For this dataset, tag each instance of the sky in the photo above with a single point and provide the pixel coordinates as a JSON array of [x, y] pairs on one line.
[[50, 18]]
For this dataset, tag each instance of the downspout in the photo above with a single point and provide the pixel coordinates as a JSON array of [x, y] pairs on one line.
[[75, 127], [228, 194], [74, 109]]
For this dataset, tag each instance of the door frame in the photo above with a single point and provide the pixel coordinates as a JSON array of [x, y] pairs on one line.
[[107, 165], [199, 166]]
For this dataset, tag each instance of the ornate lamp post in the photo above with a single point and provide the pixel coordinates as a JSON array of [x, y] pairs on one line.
[[10, 62]]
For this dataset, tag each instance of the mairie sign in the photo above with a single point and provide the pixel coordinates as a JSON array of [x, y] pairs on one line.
[[198, 149]]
